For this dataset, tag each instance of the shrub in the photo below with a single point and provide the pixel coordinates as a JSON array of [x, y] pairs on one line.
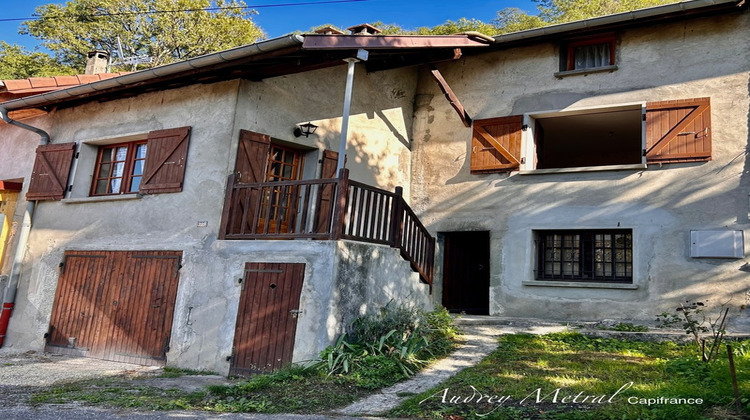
[[390, 346]]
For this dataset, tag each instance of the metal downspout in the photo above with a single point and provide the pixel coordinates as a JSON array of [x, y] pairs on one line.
[[9, 297]]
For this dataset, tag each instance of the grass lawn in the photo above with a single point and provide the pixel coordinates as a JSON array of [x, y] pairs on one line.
[[570, 376]]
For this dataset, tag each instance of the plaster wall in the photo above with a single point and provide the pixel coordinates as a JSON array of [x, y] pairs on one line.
[[378, 145], [188, 221], [661, 204], [16, 160]]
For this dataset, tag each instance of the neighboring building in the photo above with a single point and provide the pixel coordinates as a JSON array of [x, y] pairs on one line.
[[582, 171]]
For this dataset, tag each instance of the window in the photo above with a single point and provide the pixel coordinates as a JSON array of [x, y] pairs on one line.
[[284, 164], [148, 163], [603, 137], [119, 168], [626, 136], [585, 255], [590, 53]]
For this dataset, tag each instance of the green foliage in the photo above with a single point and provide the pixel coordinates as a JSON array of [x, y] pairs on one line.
[[625, 326], [18, 63], [398, 337], [151, 28], [575, 363], [707, 330]]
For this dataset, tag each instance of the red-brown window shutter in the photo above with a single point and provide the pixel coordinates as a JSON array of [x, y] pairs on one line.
[[252, 157], [330, 162], [325, 193], [166, 157], [496, 144], [49, 178], [678, 131]]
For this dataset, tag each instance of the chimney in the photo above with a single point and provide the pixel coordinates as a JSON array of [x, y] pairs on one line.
[[97, 62], [364, 29], [328, 30]]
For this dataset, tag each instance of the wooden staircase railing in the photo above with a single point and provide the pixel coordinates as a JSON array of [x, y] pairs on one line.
[[333, 209]]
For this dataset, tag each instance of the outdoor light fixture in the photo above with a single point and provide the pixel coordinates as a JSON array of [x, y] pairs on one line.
[[304, 129]]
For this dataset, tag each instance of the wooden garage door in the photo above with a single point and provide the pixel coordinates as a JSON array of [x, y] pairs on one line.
[[267, 317], [115, 305]]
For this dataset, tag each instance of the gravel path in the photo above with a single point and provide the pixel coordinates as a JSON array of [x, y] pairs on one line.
[[22, 374]]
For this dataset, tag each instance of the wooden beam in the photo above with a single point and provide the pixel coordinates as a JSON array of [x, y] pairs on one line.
[[452, 98]]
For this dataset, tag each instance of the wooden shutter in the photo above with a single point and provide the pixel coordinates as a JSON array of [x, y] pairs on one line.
[[325, 194], [496, 145], [166, 156], [49, 178], [252, 157], [329, 164], [678, 131]]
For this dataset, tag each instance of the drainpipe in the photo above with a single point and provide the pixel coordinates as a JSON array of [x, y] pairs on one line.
[[9, 298], [361, 56]]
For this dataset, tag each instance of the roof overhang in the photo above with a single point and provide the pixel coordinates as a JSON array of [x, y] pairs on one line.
[[641, 17], [275, 57], [10, 186]]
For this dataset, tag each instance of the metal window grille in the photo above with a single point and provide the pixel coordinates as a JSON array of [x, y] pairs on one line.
[[585, 255]]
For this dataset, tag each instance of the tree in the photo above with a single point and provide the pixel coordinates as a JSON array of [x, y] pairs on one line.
[[17, 63], [164, 30], [560, 11]]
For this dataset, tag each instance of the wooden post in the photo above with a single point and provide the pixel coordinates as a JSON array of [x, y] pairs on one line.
[[397, 220], [340, 204], [226, 211]]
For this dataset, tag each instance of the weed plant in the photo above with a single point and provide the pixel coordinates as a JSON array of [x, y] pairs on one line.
[[399, 339]]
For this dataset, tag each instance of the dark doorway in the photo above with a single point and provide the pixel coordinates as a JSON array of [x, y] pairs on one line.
[[466, 272]]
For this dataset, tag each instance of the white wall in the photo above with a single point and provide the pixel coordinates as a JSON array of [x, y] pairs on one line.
[[208, 291], [660, 204]]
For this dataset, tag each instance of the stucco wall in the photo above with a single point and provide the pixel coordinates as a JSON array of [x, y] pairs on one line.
[[208, 291], [695, 58], [16, 161]]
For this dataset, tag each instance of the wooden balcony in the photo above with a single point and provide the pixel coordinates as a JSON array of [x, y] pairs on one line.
[[327, 209]]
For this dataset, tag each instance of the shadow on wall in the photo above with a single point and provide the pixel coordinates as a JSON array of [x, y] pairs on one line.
[[371, 276]]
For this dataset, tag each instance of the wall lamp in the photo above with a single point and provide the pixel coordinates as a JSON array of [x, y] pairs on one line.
[[304, 129]]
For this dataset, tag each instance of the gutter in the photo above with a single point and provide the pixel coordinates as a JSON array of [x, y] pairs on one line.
[[618, 18], [245, 51], [9, 297]]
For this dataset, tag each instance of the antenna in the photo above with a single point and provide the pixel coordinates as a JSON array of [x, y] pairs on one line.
[[130, 61]]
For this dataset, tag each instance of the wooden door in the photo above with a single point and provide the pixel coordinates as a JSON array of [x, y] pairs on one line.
[[267, 317], [466, 272], [115, 305]]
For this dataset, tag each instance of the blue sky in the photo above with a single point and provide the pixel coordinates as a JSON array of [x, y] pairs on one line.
[[279, 20]]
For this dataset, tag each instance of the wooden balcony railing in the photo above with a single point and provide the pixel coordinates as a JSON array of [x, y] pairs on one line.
[[327, 209]]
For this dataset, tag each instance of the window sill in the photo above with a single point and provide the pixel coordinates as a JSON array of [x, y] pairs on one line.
[[637, 166], [97, 199], [582, 284], [566, 73]]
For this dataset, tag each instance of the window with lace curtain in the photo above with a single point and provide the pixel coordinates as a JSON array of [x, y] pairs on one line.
[[592, 53], [119, 168]]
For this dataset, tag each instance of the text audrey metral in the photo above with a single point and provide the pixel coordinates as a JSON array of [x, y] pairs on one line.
[[557, 396]]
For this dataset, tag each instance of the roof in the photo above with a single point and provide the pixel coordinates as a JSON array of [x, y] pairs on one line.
[[641, 17], [299, 53], [275, 57], [10, 186], [20, 88], [11, 89]]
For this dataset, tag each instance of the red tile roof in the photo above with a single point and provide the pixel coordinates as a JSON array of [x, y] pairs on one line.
[[19, 88], [11, 89]]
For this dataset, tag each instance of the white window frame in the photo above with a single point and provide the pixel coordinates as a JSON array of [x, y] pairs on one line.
[[528, 146]]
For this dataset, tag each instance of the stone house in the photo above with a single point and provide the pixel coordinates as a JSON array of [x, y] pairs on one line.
[[185, 214]]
